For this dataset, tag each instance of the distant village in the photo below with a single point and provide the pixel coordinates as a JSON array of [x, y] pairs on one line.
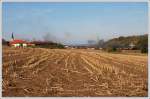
[[122, 44], [19, 43], [22, 43]]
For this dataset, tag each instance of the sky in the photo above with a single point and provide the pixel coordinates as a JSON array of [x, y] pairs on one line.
[[73, 23]]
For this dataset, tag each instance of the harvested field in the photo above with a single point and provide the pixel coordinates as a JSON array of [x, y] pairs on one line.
[[66, 72]]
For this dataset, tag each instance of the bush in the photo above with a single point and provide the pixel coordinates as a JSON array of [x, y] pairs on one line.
[[144, 50], [60, 46], [111, 49], [143, 44]]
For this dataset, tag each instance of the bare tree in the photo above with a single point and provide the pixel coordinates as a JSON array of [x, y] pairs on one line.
[[49, 38], [100, 43], [91, 42]]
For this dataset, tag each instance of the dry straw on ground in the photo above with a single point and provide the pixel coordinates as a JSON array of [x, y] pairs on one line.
[[55, 72]]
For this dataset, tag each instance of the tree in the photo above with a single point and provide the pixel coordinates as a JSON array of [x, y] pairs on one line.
[[4, 42], [100, 43], [143, 44], [49, 38], [91, 42]]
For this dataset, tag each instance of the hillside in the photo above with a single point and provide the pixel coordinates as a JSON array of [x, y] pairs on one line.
[[139, 42]]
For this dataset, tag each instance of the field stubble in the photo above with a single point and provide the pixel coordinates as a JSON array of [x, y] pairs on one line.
[[55, 72]]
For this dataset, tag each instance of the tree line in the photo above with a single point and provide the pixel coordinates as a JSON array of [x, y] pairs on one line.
[[139, 42]]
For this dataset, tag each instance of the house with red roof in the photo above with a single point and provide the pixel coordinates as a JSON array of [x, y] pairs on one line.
[[19, 42]]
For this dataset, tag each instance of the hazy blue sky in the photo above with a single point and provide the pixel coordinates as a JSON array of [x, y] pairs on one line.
[[74, 23]]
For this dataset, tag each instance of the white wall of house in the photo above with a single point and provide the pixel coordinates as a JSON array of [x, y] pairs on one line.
[[16, 45], [19, 45], [24, 45]]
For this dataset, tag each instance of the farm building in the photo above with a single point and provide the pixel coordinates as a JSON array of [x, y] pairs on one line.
[[18, 43], [131, 45], [23, 43]]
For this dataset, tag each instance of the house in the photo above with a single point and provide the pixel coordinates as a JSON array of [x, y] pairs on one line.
[[131, 45], [18, 43], [30, 44]]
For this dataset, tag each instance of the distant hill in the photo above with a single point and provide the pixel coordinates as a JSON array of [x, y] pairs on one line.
[[138, 42]]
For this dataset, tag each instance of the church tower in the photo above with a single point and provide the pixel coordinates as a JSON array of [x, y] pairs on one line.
[[12, 36]]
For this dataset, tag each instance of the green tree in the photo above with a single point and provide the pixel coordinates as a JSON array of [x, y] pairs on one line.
[[143, 44]]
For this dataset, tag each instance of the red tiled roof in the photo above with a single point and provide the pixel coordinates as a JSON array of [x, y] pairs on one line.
[[17, 41]]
